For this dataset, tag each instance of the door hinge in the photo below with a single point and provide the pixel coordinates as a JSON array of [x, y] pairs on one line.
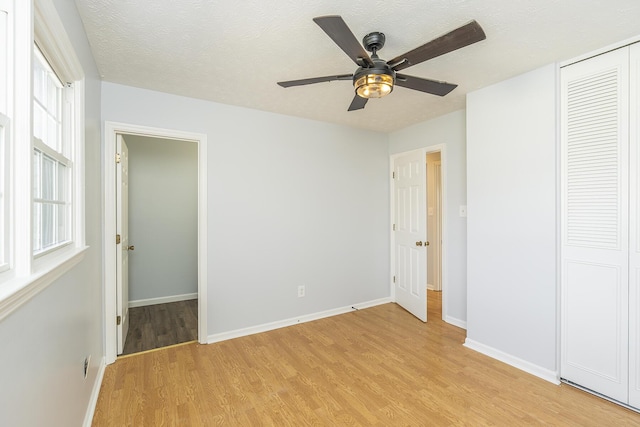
[[394, 279], [118, 320], [117, 239], [393, 175], [117, 157], [394, 227]]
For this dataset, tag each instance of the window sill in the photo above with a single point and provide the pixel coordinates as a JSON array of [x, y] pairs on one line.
[[18, 290]]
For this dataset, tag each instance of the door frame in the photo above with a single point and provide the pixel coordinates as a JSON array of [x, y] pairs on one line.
[[442, 148], [111, 130]]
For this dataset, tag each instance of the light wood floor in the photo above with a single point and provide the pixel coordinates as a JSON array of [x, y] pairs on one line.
[[161, 325], [374, 367]]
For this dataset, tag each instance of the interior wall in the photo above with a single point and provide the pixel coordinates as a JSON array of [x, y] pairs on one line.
[[511, 186], [449, 130], [45, 341], [163, 219], [291, 202]]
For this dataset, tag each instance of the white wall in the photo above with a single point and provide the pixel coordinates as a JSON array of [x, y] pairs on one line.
[[511, 191], [163, 218], [449, 130], [291, 202], [45, 341]]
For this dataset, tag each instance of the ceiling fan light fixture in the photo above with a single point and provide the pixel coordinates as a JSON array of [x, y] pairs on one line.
[[373, 85]]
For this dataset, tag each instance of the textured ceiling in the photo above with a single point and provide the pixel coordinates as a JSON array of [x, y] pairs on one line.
[[235, 52]]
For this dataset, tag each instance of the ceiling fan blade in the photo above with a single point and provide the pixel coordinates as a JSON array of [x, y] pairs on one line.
[[464, 36], [358, 103], [337, 29], [315, 80], [424, 85]]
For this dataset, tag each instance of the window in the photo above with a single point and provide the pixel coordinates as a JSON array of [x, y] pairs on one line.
[[4, 203], [5, 73], [5, 46], [52, 114], [41, 151]]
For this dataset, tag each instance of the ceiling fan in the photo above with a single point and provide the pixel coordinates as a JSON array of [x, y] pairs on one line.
[[376, 77]]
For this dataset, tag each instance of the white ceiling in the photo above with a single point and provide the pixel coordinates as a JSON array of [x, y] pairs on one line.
[[234, 52]]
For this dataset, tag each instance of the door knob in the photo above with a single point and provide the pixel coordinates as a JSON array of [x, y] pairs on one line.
[[426, 243], [131, 248], [418, 243]]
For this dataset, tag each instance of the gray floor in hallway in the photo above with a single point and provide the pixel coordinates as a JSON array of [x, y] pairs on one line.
[[161, 325]]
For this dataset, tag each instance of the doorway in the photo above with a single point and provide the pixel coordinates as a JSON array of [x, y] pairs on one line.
[[112, 133], [418, 215], [162, 238], [434, 232]]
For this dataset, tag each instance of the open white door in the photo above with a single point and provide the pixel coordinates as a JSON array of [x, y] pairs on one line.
[[411, 232], [122, 248]]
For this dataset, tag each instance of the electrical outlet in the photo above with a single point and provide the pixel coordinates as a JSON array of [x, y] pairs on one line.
[[87, 361], [301, 291]]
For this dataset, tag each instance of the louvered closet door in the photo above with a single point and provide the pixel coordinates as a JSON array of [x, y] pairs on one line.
[[595, 224], [634, 229]]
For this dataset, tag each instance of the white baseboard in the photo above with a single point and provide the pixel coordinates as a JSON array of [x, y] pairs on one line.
[[162, 300], [223, 336], [456, 322], [540, 372], [95, 392], [430, 287]]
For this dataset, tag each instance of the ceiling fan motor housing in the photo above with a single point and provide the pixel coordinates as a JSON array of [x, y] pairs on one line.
[[379, 67], [374, 41]]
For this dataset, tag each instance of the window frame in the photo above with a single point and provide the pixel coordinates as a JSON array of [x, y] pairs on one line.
[[38, 22]]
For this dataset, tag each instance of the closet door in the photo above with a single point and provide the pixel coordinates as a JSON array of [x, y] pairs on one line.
[[594, 221], [634, 228]]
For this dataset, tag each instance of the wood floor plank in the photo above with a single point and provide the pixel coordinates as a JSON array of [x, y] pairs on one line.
[[373, 367], [161, 325]]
